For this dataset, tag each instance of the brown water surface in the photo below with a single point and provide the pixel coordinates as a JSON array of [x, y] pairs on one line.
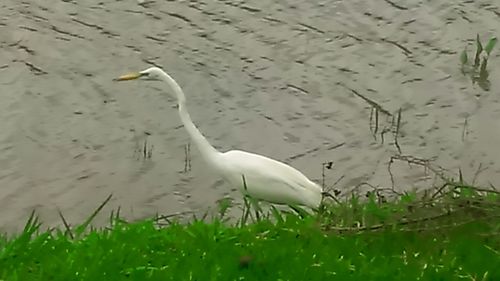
[[271, 77]]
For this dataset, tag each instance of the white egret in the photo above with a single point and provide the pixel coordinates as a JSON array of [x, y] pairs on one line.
[[255, 175]]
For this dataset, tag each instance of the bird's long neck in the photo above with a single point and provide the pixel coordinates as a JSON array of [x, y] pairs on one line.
[[207, 151]]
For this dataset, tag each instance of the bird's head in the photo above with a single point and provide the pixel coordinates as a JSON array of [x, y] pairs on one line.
[[149, 74]]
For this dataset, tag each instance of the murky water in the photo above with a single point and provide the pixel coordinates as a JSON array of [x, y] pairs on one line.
[[272, 77]]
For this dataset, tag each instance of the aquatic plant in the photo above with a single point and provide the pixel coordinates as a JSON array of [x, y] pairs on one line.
[[476, 68]]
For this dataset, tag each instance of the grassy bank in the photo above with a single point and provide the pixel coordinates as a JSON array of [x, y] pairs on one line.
[[443, 235]]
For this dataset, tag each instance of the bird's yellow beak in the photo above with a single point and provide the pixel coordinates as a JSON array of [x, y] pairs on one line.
[[128, 76]]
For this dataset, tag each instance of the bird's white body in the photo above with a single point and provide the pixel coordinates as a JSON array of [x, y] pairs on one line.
[[265, 179], [268, 179]]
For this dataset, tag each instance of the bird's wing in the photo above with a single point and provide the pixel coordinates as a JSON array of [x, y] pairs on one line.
[[254, 165]]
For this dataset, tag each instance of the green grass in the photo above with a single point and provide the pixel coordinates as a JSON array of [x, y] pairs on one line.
[[444, 235]]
